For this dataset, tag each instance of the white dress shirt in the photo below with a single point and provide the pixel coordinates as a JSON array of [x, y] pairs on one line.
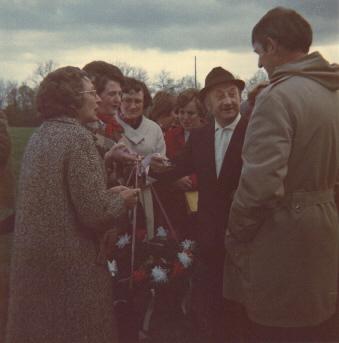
[[222, 139]]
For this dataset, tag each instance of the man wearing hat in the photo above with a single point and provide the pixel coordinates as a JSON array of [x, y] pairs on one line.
[[214, 154]]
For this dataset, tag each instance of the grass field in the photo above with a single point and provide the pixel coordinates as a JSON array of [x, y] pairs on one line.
[[19, 138]]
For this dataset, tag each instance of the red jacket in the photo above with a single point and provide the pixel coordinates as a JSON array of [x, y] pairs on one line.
[[175, 141]]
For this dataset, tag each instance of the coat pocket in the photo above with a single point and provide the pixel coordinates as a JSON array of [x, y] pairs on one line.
[[239, 253]]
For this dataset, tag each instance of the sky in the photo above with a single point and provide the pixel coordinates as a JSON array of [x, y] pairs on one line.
[[155, 35]]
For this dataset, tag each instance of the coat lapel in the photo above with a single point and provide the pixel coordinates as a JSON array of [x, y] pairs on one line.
[[208, 146], [233, 153]]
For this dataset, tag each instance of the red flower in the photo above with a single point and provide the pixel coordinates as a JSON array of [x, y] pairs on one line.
[[178, 269], [139, 275]]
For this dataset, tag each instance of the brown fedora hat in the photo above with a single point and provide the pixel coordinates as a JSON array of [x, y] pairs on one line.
[[217, 76]]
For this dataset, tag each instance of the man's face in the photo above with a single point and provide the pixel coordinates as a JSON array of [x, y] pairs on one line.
[[110, 98], [223, 102], [88, 110], [132, 106], [265, 57]]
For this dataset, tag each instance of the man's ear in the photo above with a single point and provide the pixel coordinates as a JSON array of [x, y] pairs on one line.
[[206, 103], [271, 45]]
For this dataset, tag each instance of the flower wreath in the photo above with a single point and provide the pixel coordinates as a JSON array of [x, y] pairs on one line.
[[154, 269], [158, 261], [152, 262]]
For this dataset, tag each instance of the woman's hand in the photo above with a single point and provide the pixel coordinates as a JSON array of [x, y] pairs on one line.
[[183, 184], [159, 163], [120, 153], [130, 195], [118, 189]]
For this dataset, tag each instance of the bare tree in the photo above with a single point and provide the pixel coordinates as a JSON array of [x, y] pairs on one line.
[[259, 77], [8, 92], [41, 70], [185, 82], [164, 81], [25, 97], [2, 93], [131, 71]]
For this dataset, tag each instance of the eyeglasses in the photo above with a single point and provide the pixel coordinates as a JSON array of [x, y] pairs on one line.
[[92, 91]]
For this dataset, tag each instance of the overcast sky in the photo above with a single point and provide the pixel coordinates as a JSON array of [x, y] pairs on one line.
[[154, 35]]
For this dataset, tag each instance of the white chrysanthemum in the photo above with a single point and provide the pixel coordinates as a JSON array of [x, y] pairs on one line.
[[161, 232], [159, 274], [185, 260], [112, 267], [123, 240], [187, 244]]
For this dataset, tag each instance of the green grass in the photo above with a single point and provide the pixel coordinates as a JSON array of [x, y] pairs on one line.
[[20, 137]]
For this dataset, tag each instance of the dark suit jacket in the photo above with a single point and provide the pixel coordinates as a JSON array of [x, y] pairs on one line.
[[215, 194]]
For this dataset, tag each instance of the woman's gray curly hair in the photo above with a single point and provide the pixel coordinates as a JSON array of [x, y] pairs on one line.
[[59, 93]]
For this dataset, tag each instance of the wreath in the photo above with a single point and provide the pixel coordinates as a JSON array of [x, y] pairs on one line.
[[158, 261], [148, 270]]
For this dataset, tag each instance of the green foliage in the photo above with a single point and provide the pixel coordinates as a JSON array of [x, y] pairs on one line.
[[20, 106], [20, 137]]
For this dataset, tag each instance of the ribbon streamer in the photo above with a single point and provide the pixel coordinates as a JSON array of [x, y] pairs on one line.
[[162, 209], [134, 227]]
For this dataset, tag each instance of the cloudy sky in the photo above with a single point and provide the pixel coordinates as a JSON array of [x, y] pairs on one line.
[[154, 35]]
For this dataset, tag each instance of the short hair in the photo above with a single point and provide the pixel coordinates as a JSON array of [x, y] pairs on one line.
[[100, 72], [132, 84], [187, 96], [163, 104], [59, 93], [285, 26]]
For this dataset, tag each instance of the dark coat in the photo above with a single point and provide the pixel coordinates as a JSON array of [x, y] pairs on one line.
[[172, 198], [215, 194], [175, 142]]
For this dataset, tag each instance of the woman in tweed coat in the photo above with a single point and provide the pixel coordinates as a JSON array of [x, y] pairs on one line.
[[58, 291]]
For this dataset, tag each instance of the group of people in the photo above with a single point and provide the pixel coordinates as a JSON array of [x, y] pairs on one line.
[[266, 226]]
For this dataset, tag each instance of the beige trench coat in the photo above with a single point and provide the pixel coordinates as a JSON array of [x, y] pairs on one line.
[[283, 231]]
